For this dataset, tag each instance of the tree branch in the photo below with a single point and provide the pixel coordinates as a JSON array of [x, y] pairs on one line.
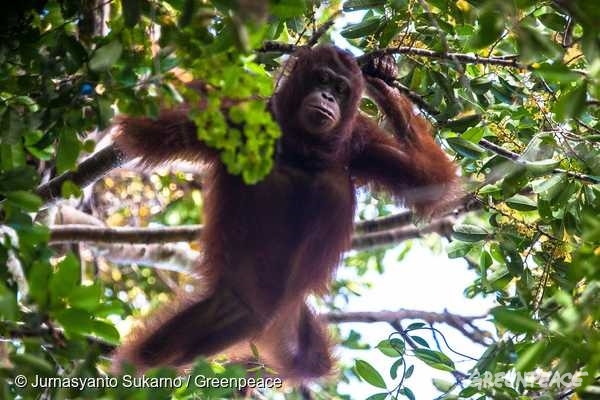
[[87, 233], [366, 241], [314, 39], [405, 218], [89, 171], [271, 46], [464, 324], [90, 233], [177, 257], [504, 61], [377, 232], [516, 158], [16, 330]]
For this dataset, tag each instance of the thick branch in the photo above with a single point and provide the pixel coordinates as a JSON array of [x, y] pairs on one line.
[[377, 232], [405, 218], [87, 233], [177, 257], [366, 241], [89, 171]]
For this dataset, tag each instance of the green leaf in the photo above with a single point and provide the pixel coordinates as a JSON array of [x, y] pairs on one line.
[[415, 325], [552, 184], [491, 26], [33, 235], [105, 331], [534, 46], [408, 393], [8, 304], [390, 30], [11, 156], [26, 101], [132, 10], [362, 29], [474, 134], [481, 84], [517, 321], [85, 297], [34, 363], [394, 368], [470, 233], [571, 103], [521, 203], [75, 49], [68, 189], [488, 356], [514, 262], [65, 279], [556, 72], [13, 127], [369, 374], [529, 358], [461, 124], [435, 359], [108, 307], [106, 56], [68, 151], [21, 178], [465, 148], [354, 5], [389, 349], [542, 167], [104, 111], [38, 278], [457, 249], [442, 385], [514, 181], [468, 392], [378, 396], [287, 8], [490, 190], [24, 200], [420, 340], [75, 321], [553, 21]]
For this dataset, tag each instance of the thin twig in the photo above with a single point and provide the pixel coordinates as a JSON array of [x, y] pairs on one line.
[[504, 61], [314, 39]]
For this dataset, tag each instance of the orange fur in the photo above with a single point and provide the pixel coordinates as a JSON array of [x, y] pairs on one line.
[[268, 246]]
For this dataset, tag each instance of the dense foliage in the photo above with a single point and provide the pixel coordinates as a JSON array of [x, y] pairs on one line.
[[513, 88]]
